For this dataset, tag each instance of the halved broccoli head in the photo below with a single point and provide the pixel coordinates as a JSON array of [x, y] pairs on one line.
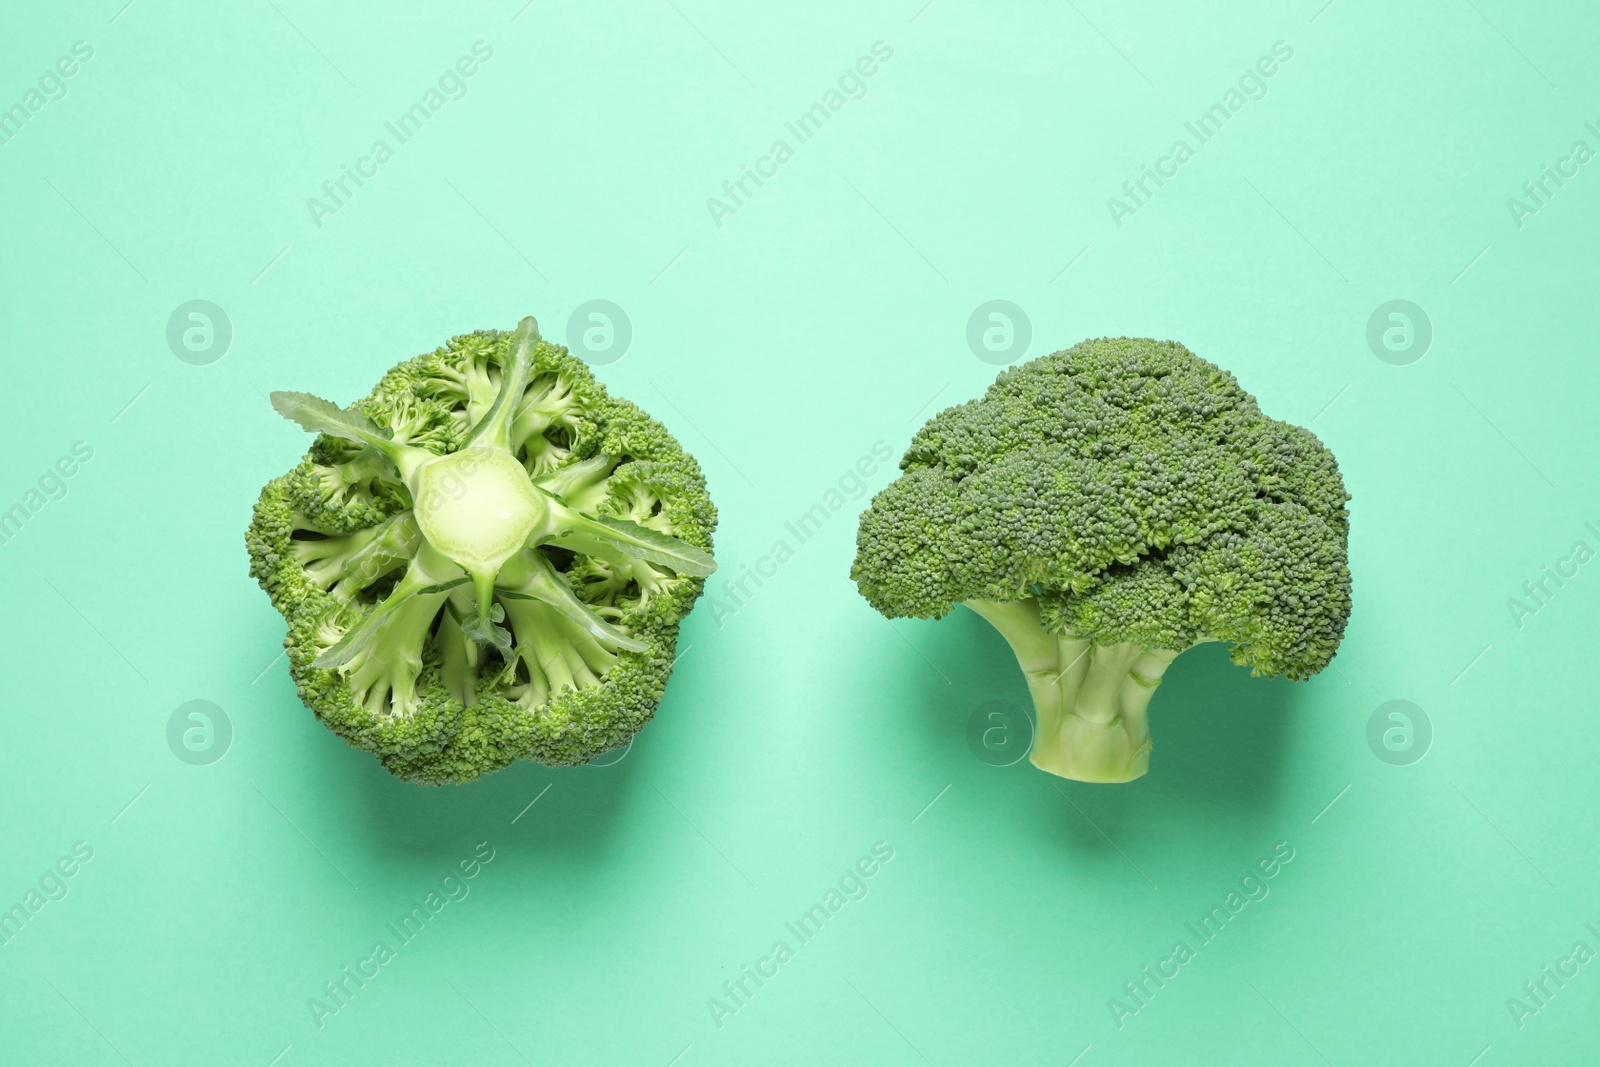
[[485, 559], [1107, 507]]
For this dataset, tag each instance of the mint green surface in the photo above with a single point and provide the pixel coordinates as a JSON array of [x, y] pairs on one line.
[[783, 346]]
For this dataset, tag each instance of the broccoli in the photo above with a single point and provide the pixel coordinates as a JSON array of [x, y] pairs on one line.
[[486, 558], [1106, 508]]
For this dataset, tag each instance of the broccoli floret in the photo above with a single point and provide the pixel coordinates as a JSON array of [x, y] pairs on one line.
[[485, 559], [1106, 508]]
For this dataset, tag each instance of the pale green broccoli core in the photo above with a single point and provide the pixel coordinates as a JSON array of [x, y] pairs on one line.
[[474, 546], [477, 506]]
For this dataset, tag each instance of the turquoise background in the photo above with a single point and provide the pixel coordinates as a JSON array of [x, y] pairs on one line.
[[817, 320]]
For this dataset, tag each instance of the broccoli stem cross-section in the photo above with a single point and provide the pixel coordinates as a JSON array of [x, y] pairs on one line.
[[460, 565], [1090, 700]]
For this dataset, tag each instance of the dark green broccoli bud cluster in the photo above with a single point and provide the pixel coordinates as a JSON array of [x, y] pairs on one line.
[[1122, 494], [485, 559]]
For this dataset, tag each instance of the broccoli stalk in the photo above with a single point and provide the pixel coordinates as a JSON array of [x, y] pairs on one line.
[[1089, 699]]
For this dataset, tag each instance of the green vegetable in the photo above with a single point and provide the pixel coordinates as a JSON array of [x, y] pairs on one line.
[[1106, 508], [485, 559]]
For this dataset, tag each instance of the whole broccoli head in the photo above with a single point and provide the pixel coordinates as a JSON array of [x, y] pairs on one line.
[[1106, 508], [487, 558]]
